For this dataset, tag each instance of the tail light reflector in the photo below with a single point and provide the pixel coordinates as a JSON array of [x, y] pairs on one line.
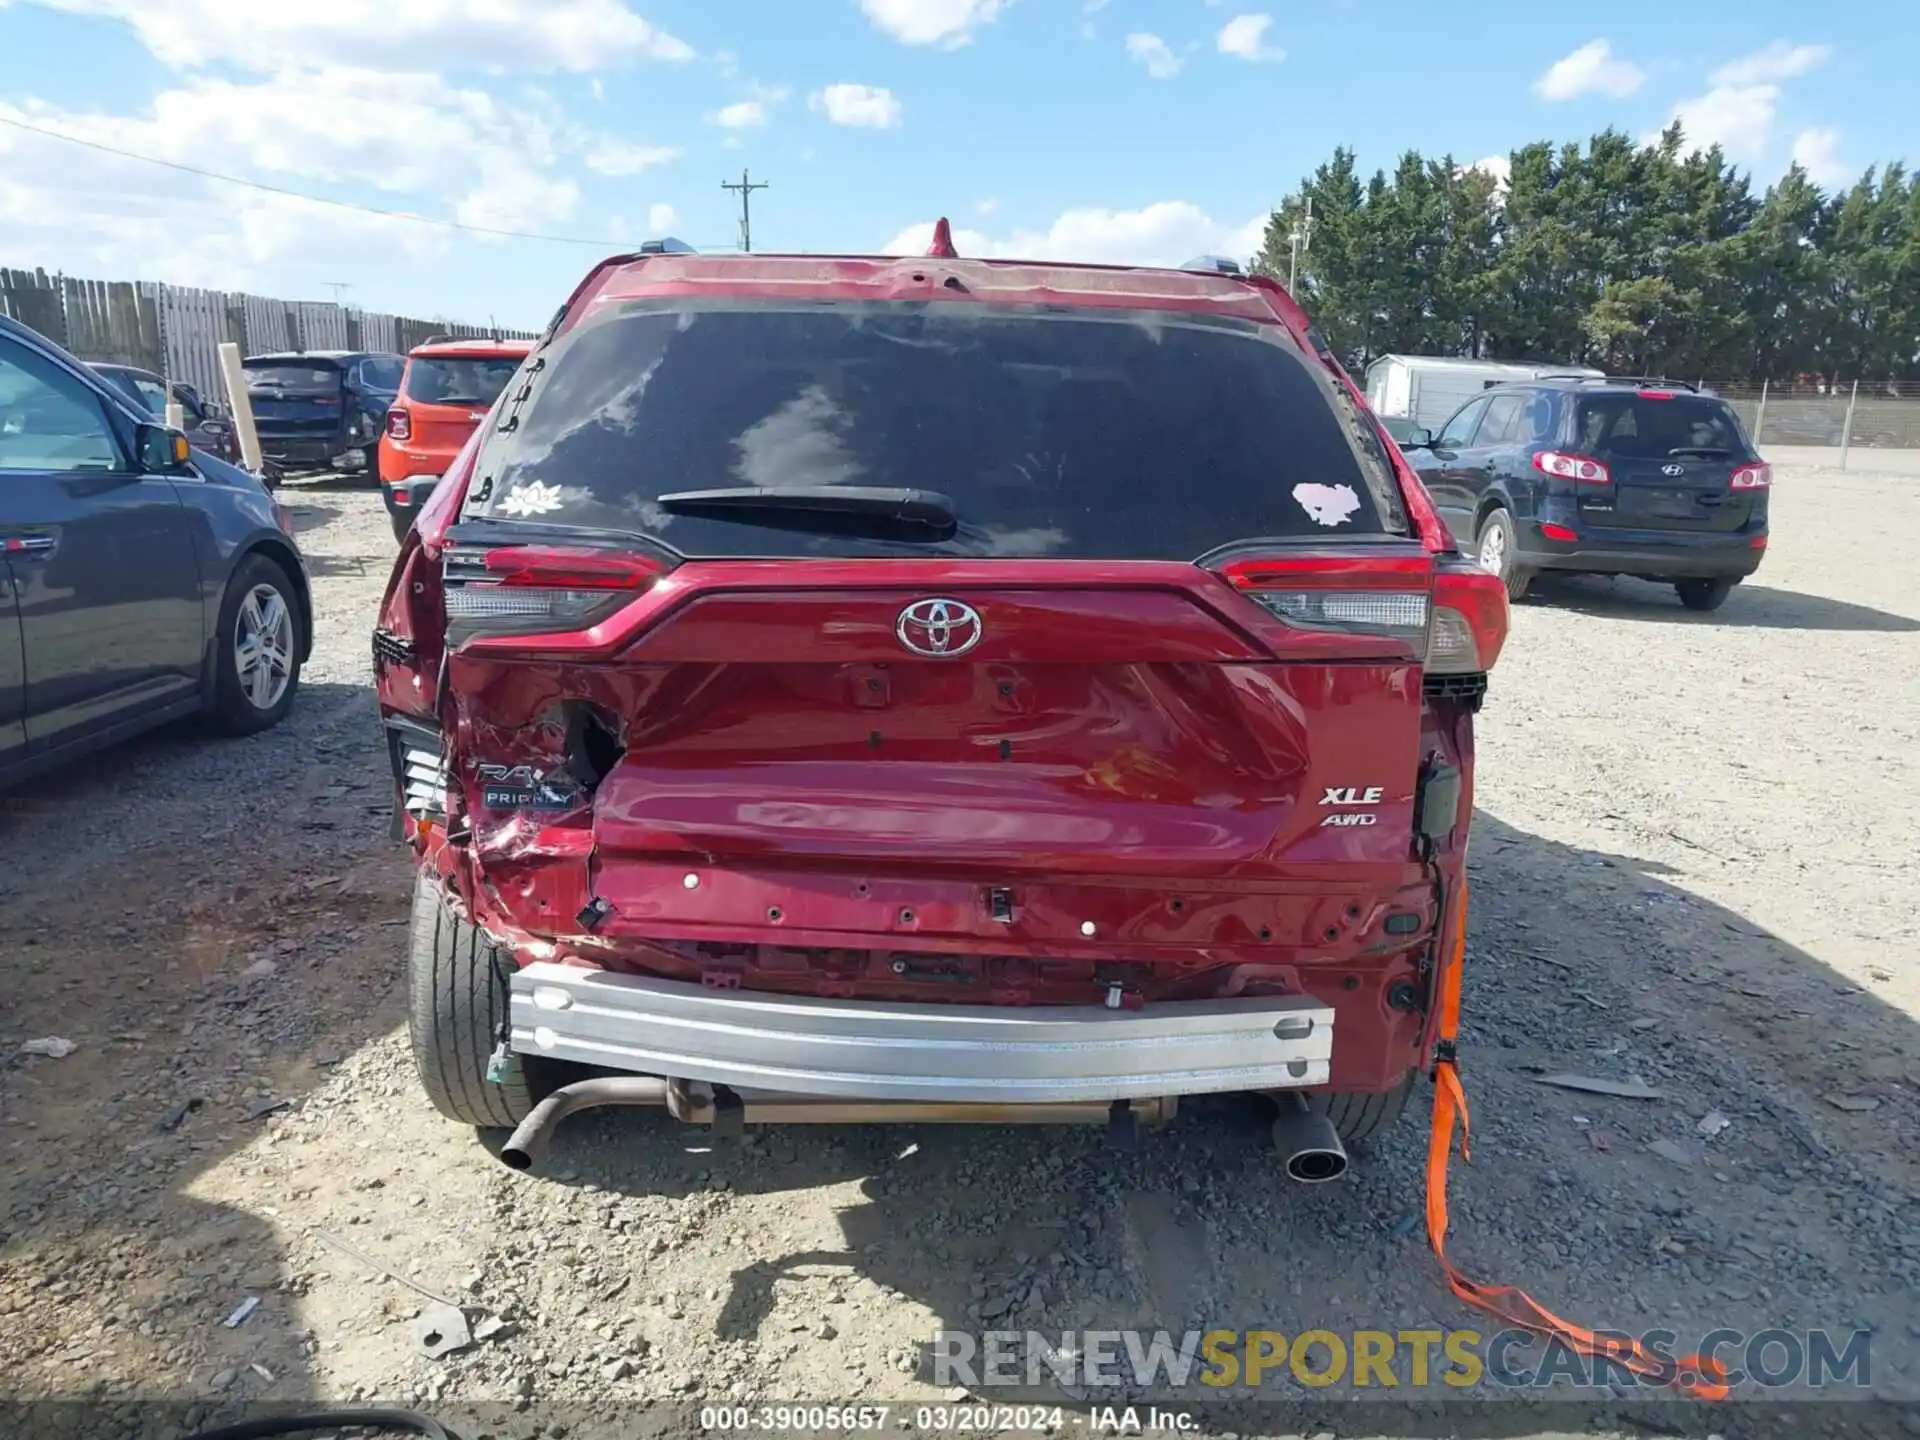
[[1752, 477], [1559, 465], [399, 423], [1558, 532]]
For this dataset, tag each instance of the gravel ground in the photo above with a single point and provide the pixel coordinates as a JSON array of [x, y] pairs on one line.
[[1692, 867]]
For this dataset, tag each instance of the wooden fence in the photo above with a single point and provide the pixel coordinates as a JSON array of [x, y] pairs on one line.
[[176, 332]]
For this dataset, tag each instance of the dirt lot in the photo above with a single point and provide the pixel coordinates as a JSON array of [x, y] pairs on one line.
[[1693, 865]]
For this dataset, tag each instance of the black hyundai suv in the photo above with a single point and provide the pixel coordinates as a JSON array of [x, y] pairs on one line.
[[1620, 475]]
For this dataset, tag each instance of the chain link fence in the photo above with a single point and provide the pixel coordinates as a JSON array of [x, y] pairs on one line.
[[1821, 414]]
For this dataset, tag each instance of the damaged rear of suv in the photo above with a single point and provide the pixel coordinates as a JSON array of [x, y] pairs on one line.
[[931, 689]]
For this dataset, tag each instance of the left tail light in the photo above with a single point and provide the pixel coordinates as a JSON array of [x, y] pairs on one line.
[[399, 424], [539, 589]]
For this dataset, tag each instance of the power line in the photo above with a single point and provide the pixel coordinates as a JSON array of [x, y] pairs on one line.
[[310, 199], [746, 188]]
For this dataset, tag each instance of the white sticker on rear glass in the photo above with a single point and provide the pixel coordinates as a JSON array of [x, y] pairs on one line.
[[539, 498], [1327, 504]]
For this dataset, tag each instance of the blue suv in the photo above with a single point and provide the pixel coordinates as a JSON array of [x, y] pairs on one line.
[[1619, 475]]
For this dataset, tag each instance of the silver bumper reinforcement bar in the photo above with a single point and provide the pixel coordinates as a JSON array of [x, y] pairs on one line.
[[891, 1051]]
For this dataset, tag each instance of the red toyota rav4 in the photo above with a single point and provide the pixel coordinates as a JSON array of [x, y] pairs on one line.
[[931, 689]]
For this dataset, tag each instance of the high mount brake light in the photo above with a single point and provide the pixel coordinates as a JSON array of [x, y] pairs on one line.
[[1559, 465], [534, 589], [1454, 618], [399, 423], [1752, 477]]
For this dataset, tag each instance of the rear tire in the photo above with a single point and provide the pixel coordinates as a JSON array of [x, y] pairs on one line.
[[1361, 1116], [1704, 594], [1495, 547], [457, 988]]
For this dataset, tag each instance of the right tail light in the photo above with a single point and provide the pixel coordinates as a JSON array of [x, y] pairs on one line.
[[1470, 619], [1758, 476]]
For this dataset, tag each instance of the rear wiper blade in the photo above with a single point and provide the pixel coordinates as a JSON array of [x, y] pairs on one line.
[[1708, 452], [923, 506], [859, 507]]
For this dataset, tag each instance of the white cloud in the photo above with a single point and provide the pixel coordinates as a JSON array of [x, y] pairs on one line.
[[741, 115], [662, 220], [612, 157], [986, 206], [1245, 36], [468, 157], [1779, 61], [947, 23], [1590, 70], [1170, 232], [872, 107], [536, 35], [1737, 110], [751, 113], [1152, 52], [1500, 167], [1817, 151]]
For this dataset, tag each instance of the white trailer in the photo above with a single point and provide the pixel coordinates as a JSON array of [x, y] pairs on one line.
[[1426, 389]]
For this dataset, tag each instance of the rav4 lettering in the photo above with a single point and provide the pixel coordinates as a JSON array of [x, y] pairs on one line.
[[1352, 795]]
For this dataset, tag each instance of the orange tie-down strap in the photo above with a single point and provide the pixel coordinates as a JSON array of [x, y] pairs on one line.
[[1700, 1376]]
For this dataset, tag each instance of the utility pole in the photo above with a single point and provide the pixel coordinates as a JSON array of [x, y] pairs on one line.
[[746, 188], [1300, 238]]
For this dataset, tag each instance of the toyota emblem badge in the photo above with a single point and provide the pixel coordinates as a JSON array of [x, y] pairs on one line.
[[938, 628]]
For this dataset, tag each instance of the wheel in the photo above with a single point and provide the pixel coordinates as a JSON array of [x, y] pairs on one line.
[[256, 650], [1704, 594], [457, 987], [1360, 1116], [401, 525], [1496, 549]]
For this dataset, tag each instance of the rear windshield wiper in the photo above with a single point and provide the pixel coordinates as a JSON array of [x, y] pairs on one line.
[[922, 513], [1705, 452]]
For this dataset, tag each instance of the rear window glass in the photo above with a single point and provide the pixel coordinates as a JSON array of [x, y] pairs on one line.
[[382, 372], [459, 379], [294, 377], [1112, 434], [1632, 427]]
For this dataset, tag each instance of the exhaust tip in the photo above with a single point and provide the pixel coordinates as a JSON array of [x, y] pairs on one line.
[[514, 1158], [1316, 1167]]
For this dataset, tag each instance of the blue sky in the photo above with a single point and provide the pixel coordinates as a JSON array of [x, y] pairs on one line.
[[1121, 130]]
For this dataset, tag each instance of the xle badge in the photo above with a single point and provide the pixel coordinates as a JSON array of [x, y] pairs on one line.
[[521, 787]]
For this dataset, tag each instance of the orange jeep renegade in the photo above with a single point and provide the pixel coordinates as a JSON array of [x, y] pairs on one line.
[[447, 390]]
